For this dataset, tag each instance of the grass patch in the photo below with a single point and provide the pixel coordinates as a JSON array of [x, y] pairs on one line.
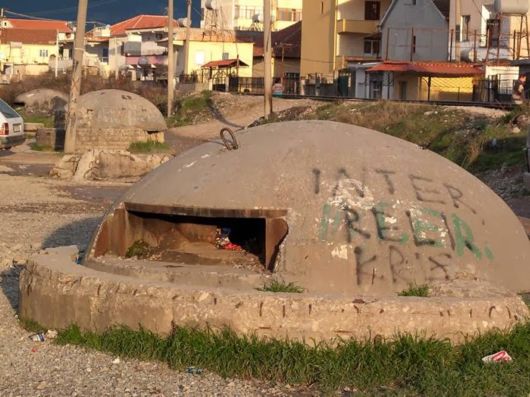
[[474, 142], [149, 147], [281, 286], [41, 148], [406, 366], [192, 108], [416, 290], [526, 298], [139, 249], [31, 326], [47, 121]]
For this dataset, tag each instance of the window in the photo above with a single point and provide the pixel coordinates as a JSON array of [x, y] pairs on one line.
[[371, 47], [288, 14], [43, 53], [493, 32], [372, 10], [414, 44], [226, 55], [105, 54], [245, 12], [464, 27]]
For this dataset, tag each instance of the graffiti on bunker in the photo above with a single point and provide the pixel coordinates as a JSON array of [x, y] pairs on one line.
[[392, 238]]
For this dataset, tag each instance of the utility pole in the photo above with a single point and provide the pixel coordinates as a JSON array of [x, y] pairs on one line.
[[187, 43], [170, 60], [75, 88], [267, 57], [56, 53]]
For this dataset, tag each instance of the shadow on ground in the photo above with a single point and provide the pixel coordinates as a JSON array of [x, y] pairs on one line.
[[75, 233], [9, 284]]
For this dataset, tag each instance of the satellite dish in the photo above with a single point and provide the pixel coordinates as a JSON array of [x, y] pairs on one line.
[[183, 22], [211, 5]]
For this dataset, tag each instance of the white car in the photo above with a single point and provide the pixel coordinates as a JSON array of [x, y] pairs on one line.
[[11, 127]]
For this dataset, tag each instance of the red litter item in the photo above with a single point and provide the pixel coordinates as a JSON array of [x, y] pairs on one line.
[[499, 357], [232, 247]]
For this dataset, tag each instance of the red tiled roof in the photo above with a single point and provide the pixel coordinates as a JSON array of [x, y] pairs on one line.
[[61, 26], [225, 63], [140, 22], [28, 36], [433, 69]]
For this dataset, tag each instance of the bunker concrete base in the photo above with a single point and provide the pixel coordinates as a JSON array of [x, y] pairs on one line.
[[56, 292]]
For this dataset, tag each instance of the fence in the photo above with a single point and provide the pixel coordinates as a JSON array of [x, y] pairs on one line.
[[373, 86]]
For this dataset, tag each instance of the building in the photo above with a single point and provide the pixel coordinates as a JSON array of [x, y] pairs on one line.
[[129, 47], [29, 47], [415, 31], [338, 32], [26, 52], [205, 48], [286, 46], [248, 14], [427, 81], [480, 32]]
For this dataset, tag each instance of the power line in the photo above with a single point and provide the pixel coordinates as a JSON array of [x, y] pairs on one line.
[[73, 8]]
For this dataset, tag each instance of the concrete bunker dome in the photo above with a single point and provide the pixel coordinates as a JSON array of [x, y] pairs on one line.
[[113, 119], [43, 100], [349, 214], [335, 208]]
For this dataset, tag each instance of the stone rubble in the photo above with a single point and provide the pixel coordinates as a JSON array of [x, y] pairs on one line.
[[106, 165]]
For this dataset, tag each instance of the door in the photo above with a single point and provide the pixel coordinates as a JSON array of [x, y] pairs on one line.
[[403, 90]]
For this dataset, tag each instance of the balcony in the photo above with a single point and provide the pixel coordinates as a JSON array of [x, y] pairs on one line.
[[356, 26]]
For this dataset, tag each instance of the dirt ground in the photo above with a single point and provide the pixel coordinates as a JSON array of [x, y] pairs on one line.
[[238, 117], [38, 212]]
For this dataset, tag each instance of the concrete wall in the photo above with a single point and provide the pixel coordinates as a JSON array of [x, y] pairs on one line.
[[106, 139], [422, 20], [112, 139]]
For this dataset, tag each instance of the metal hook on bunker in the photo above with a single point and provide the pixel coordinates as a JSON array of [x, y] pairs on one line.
[[230, 144]]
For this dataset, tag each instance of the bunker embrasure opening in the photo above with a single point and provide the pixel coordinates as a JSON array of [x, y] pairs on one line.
[[248, 238]]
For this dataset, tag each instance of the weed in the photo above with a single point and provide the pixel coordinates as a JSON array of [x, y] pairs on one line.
[[474, 142], [407, 365], [281, 286], [31, 326], [139, 249], [415, 290], [526, 298], [191, 108], [149, 147], [41, 148]]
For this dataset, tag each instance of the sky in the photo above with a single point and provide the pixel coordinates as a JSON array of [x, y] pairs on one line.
[[104, 11]]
